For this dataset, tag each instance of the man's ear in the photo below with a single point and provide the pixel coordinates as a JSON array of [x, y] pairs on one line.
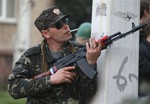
[[45, 34], [146, 13]]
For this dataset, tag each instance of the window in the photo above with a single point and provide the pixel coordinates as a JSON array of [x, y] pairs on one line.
[[7, 11]]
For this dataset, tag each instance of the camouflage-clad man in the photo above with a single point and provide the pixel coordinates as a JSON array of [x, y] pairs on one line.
[[69, 85]]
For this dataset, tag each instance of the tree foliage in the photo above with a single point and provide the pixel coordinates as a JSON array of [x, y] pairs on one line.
[[80, 10]]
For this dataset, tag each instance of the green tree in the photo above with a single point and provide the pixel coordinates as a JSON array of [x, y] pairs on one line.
[[80, 10]]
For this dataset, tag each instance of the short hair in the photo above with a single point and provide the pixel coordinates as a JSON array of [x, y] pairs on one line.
[[146, 30], [145, 5]]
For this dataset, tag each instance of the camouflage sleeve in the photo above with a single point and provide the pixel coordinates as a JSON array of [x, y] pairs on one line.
[[87, 87], [20, 83]]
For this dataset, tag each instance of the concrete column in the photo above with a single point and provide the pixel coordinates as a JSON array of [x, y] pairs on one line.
[[22, 37], [118, 64]]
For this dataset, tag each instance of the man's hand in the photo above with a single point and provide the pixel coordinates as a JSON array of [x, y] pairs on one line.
[[64, 75], [93, 50]]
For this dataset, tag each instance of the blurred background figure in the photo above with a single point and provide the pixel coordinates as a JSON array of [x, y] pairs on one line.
[[84, 33], [144, 50], [144, 62]]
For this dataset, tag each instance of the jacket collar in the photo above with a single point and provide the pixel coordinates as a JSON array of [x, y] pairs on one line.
[[68, 48]]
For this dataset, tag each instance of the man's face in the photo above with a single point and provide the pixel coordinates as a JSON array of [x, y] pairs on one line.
[[60, 32]]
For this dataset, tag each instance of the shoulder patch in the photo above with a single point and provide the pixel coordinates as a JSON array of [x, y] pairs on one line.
[[33, 50]]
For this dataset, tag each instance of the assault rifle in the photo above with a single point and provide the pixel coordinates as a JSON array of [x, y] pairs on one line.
[[78, 58]]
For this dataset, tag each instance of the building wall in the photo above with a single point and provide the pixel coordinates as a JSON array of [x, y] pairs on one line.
[[7, 32], [38, 7]]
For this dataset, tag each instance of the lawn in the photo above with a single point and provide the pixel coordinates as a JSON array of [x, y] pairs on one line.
[[5, 98]]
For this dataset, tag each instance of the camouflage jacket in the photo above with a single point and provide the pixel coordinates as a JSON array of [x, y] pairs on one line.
[[21, 83]]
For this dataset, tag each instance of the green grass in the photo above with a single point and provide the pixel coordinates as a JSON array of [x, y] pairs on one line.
[[5, 98]]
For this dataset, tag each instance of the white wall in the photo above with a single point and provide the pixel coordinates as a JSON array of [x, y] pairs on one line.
[[118, 64]]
